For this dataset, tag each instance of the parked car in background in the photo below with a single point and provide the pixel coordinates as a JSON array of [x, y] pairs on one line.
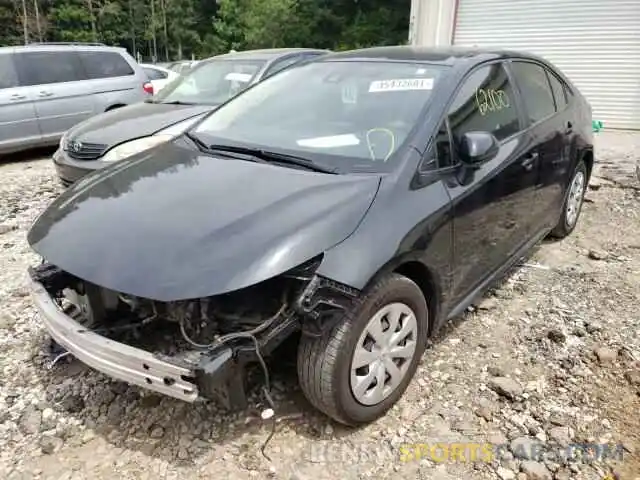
[[116, 135], [354, 204], [158, 76], [182, 66], [46, 89]]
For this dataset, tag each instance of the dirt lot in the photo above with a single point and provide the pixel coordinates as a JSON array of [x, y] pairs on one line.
[[550, 356]]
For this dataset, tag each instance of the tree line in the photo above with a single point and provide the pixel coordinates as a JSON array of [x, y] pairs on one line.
[[178, 29]]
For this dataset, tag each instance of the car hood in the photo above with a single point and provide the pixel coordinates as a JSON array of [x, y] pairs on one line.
[[172, 223], [133, 121]]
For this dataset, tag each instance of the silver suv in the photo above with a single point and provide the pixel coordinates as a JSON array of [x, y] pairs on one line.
[[45, 89]]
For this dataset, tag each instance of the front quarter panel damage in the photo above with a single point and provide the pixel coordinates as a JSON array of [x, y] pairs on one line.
[[217, 226], [410, 226]]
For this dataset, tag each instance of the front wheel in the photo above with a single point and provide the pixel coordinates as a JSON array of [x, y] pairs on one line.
[[573, 203], [359, 369]]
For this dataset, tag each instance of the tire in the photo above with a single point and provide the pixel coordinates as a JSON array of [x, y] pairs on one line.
[[324, 362], [567, 222]]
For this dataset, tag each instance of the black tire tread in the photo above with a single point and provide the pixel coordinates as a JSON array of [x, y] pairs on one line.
[[560, 230], [318, 356]]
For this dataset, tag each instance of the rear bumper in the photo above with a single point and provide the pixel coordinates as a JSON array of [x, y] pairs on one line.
[[120, 361]]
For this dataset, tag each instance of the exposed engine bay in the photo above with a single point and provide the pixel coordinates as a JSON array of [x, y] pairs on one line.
[[170, 328], [214, 336]]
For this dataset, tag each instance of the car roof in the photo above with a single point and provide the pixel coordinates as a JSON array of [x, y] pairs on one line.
[[263, 54], [45, 46], [439, 55]]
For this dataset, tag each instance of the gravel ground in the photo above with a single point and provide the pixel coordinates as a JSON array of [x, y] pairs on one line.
[[550, 356]]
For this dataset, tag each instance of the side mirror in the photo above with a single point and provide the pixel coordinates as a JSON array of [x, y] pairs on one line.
[[475, 148]]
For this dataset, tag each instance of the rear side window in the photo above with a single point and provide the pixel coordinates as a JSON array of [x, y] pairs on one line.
[[8, 74], [535, 89], [485, 102], [42, 68], [559, 92], [105, 64], [154, 74]]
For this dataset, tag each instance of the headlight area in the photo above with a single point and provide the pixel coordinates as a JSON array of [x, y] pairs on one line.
[[189, 349], [127, 149], [63, 142]]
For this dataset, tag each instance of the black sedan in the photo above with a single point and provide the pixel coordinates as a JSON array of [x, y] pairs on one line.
[[120, 133], [353, 204]]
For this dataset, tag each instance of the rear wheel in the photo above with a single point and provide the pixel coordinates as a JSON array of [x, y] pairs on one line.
[[573, 203], [359, 369]]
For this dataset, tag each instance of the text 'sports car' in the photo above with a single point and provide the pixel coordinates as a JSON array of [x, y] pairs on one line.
[[358, 201], [120, 133]]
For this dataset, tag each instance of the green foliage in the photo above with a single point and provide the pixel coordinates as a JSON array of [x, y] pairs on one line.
[[70, 21], [10, 32], [267, 23], [208, 27]]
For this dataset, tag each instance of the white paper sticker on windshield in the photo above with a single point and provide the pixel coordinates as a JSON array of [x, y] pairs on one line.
[[330, 142], [238, 77], [400, 84]]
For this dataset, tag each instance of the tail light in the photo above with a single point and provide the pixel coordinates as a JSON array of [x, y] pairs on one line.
[[148, 87]]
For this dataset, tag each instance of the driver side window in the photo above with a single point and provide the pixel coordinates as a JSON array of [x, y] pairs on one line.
[[485, 102]]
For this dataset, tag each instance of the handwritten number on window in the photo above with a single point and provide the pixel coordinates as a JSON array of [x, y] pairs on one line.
[[490, 100]]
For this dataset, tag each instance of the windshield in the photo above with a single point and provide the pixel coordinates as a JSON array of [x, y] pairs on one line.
[[351, 116], [211, 83]]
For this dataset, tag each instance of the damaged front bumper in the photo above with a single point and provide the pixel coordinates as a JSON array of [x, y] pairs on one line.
[[214, 373], [115, 359]]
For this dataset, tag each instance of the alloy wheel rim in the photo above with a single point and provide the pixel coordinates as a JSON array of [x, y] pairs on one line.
[[575, 198], [383, 354]]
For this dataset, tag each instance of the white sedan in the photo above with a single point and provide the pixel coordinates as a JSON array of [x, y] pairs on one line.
[[159, 76]]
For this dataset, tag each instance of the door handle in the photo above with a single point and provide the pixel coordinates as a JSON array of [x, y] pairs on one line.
[[569, 128], [529, 160], [45, 94], [16, 97]]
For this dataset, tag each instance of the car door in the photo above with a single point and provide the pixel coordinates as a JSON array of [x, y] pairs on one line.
[[567, 118], [18, 120], [114, 79], [551, 130], [491, 202], [62, 96]]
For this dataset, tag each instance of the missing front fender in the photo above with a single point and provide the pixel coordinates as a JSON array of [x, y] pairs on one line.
[[322, 303], [212, 340]]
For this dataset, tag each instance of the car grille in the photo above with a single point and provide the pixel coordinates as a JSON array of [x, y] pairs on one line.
[[85, 151]]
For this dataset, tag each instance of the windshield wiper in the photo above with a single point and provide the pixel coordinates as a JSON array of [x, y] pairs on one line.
[[270, 156], [230, 154]]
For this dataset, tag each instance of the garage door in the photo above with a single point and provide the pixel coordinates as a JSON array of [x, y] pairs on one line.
[[596, 43]]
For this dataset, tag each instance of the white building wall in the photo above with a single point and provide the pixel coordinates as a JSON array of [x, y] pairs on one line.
[[596, 43], [431, 22]]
